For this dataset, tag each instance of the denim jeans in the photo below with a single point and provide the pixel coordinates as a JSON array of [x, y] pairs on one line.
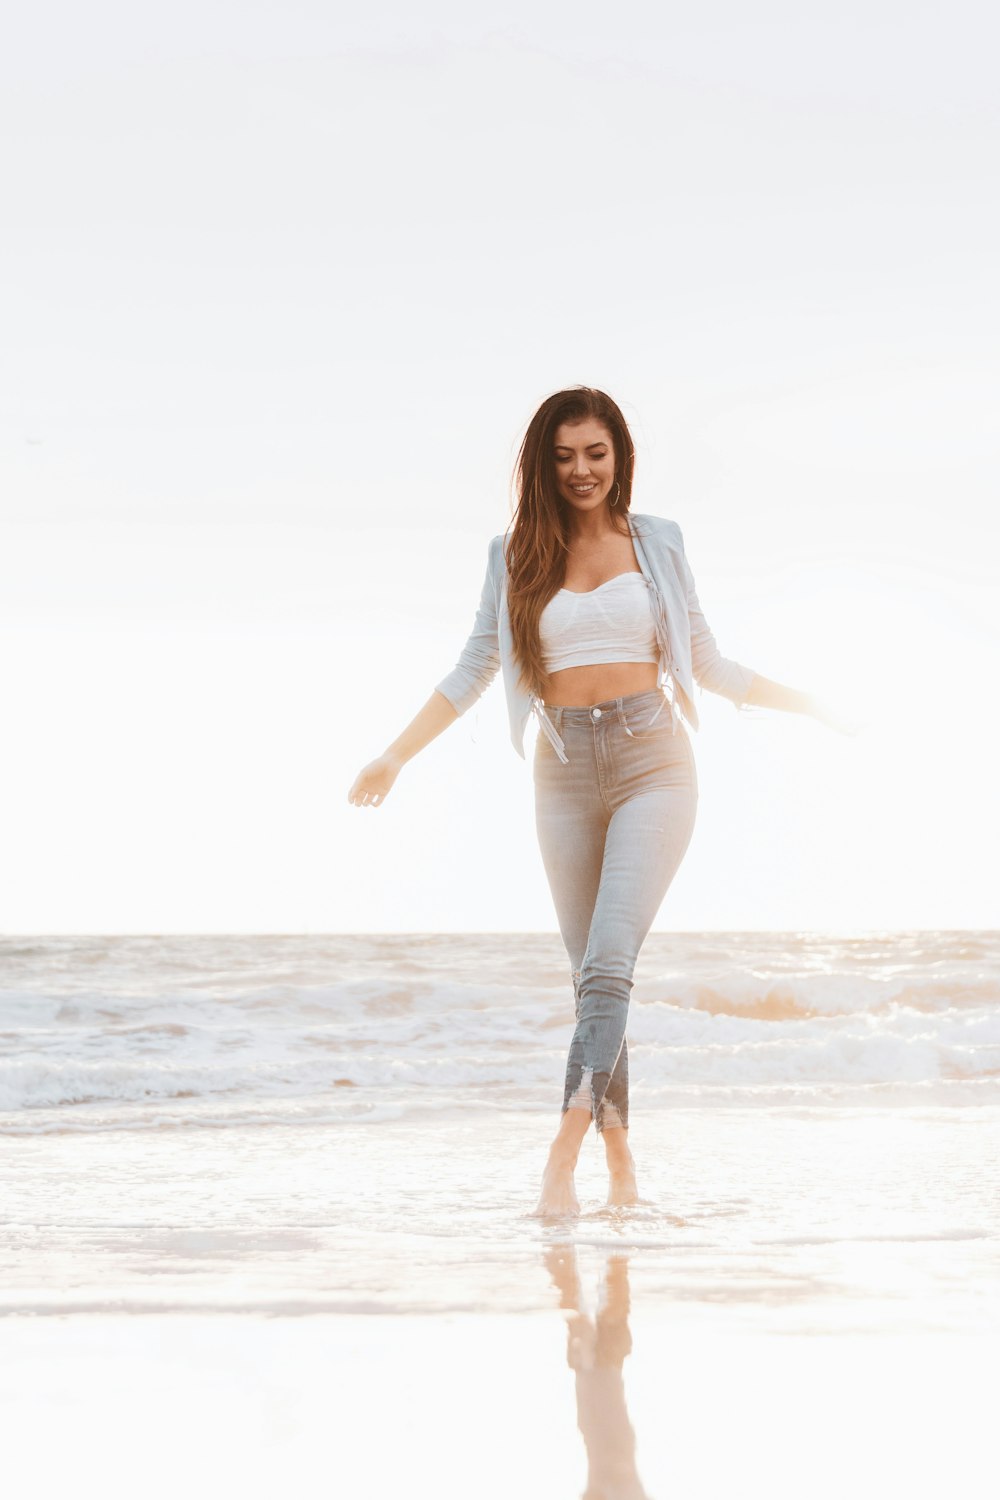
[[613, 825]]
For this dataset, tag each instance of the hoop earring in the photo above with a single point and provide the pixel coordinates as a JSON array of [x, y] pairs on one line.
[[618, 494]]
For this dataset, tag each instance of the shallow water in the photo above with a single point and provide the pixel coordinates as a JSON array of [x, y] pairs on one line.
[[820, 1218], [359, 1124], [267, 1217]]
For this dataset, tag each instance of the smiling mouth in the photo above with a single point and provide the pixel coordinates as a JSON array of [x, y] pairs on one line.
[[582, 489]]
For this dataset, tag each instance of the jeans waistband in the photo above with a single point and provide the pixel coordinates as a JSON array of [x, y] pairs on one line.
[[653, 699], [632, 704]]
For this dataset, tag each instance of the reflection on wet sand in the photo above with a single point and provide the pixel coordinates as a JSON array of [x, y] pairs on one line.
[[595, 1351]]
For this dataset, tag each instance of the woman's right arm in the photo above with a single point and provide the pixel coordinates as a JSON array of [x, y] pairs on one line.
[[371, 786], [454, 695]]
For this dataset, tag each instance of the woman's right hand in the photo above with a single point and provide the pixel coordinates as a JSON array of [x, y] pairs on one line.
[[372, 785]]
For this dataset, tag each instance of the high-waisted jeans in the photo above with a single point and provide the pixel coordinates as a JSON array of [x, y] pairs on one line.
[[613, 824]]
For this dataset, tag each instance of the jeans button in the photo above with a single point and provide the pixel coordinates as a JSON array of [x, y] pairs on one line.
[[596, 712]]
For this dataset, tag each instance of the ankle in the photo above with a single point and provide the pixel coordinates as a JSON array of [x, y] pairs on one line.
[[619, 1156], [563, 1156]]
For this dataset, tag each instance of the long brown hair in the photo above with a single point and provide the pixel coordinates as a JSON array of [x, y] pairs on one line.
[[538, 544]]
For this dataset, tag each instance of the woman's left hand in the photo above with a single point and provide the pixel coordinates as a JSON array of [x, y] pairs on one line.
[[834, 718]]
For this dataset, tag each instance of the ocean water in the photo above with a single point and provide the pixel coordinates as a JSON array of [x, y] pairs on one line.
[[358, 1124], [141, 1032]]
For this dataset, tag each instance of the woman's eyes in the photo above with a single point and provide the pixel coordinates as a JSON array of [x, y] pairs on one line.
[[567, 458]]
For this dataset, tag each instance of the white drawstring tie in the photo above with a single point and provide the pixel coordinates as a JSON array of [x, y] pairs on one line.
[[554, 738]]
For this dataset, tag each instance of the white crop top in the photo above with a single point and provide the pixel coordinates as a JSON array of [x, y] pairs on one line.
[[613, 622]]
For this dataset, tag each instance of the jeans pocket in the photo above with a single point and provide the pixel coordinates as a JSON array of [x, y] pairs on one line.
[[648, 723]]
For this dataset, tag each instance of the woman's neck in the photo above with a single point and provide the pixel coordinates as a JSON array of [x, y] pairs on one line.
[[589, 532]]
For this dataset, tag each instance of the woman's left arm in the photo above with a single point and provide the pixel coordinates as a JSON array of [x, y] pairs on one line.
[[763, 693], [742, 685]]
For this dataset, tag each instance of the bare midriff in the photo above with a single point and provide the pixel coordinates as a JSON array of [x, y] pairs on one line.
[[581, 687]]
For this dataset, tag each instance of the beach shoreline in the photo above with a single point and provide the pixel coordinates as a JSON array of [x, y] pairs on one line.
[[224, 1269]]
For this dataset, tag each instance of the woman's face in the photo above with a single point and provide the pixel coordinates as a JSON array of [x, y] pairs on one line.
[[585, 463]]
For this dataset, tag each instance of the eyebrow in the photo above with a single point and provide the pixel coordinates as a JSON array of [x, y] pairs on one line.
[[601, 444]]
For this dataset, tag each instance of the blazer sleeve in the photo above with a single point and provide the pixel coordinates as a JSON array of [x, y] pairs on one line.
[[709, 667], [480, 659]]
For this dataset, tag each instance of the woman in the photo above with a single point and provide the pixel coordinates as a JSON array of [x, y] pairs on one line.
[[591, 612]]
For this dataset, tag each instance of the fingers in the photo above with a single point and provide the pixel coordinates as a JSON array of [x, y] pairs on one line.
[[362, 796], [371, 785]]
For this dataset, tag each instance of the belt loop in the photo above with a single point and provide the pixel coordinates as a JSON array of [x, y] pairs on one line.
[[622, 719]]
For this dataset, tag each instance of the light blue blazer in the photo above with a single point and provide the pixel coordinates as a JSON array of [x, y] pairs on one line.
[[687, 649]]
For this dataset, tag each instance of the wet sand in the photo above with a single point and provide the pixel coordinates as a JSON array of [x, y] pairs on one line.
[[636, 1402], [806, 1301]]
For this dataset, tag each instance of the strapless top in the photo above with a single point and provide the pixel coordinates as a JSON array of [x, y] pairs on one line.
[[613, 622]]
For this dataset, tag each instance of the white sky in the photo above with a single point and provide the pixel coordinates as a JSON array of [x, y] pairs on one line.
[[281, 287]]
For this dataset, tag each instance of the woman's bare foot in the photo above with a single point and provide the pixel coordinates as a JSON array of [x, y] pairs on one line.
[[622, 1187], [558, 1195]]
